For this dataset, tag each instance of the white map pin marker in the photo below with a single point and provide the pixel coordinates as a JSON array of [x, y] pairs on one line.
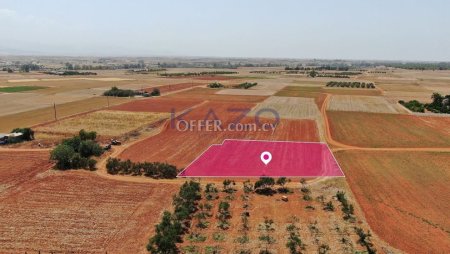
[[266, 157]]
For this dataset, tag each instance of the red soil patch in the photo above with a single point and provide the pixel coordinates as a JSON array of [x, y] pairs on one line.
[[173, 87], [210, 94], [404, 196], [18, 167], [80, 212], [160, 104], [182, 147], [387, 130], [320, 99]]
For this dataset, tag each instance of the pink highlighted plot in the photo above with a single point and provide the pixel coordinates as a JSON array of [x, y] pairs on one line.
[[254, 158]]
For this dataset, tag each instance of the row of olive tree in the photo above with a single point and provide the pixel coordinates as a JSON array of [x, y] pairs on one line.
[[172, 226]]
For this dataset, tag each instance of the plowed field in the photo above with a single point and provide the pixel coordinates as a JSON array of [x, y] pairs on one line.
[[80, 212], [387, 130], [404, 195], [180, 147]]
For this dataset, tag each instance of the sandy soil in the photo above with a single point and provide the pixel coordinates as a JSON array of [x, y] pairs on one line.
[[371, 104], [288, 108]]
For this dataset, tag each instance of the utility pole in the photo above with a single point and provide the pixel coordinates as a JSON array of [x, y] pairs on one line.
[[107, 99], [54, 109]]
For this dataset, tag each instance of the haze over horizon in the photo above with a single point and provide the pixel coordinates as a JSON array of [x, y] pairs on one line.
[[370, 30]]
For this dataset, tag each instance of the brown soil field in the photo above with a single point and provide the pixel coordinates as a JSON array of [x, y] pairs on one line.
[[39, 116], [182, 147], [315, 225], [387, 130], [79, 212], [174, 87], [404, 196], [104, 122], [211, 94], [159, 104], [306, 92], [17, 167]]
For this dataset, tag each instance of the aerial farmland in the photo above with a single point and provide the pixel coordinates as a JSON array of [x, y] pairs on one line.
[[370, 135]]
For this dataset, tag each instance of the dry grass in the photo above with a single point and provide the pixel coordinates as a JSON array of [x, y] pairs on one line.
[[105, 122], [38, 116], [371, 104], [288, 108]]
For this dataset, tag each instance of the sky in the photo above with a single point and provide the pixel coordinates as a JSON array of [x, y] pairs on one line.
[[348, 29]]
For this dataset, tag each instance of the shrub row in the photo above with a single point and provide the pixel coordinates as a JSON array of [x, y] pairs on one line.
[[173, 226], [245, 85], [347, 208], [203, 73], [215, 85], [440, 104], [350, 84], [116, 92], [155, 170]]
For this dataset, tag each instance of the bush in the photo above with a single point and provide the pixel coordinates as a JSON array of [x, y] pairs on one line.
[[75, 152], [167, 235], [264, 186], [150, 169], [155, 92], [245, 85], [63, 155], [116, 92], [215, 85], [90, 148], [87, 135], [91, 164]]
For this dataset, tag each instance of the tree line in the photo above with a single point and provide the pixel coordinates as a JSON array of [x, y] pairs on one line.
[[440, 104], [172, 226], [215, 85], [350, 84], [117, 92], [318, 68], [189, 74], [155, 170], [245, 85], [70, 73]]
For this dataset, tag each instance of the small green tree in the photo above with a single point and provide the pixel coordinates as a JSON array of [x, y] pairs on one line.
[[155, 92], [62, 154], [264, 186], [167, 235]]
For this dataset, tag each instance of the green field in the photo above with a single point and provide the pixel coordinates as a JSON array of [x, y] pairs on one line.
[[17, 89]]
